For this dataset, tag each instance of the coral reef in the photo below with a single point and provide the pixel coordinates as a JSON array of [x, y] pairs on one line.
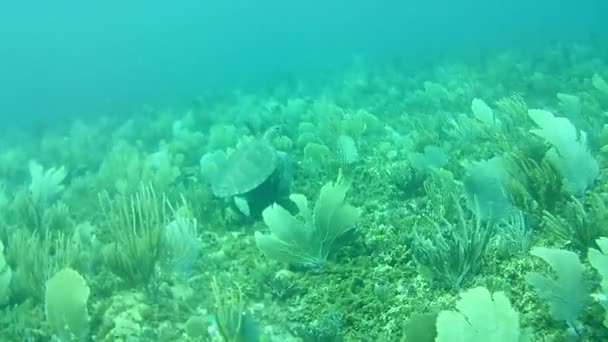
[[465, 178]]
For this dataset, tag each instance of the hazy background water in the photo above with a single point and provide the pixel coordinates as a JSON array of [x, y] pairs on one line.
[[61, 58]]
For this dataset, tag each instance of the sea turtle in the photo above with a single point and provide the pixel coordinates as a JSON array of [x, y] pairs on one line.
[[253, 171]]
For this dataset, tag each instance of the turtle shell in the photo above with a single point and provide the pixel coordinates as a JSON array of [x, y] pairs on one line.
[[246, 168]]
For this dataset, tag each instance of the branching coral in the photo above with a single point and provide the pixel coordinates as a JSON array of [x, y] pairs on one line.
[[36, 257], [451, 251], [233, 323], [533, 186], [580, 222], [136, 227]]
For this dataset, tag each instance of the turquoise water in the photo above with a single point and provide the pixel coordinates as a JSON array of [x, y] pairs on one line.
[[83, 59], [327, 171]]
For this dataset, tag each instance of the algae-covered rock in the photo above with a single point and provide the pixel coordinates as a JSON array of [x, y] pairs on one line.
[[125, 318]]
